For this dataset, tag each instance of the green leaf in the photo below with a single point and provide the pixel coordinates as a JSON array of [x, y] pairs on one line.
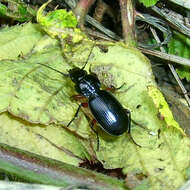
[[179, 45], [3, 9], [43, 140], [163, 107], [18, 40], [148, 3], [32, 93]]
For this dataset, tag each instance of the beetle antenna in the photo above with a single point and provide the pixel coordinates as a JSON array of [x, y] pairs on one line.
[[89, 56], [65, 75]]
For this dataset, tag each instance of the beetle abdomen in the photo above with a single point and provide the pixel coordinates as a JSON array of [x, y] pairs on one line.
[[109, 113]]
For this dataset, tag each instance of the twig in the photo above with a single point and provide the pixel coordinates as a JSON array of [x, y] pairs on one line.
[[175, 22], [128, 21], [168, 57], [81, 10], [157, 23], [97, 25], [94, 23], [173, 70]]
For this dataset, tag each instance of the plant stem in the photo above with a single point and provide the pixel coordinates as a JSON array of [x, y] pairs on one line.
[[38, 169], [128, 21], [81, 10]]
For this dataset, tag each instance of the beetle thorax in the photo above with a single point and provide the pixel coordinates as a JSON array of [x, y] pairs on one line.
[[87, 88], [86, 84]]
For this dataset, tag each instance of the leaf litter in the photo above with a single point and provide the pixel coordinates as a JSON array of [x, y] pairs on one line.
[[42, 100]]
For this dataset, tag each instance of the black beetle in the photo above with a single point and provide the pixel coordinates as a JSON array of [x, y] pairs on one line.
[[106, 109]]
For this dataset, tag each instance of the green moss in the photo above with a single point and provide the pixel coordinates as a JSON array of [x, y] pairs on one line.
[[3, 9], [60, 23]]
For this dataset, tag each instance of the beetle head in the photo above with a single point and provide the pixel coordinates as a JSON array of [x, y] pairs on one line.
[[76, 74]]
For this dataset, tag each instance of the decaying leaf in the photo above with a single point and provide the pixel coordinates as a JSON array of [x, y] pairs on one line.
[[18, 40], [50, 141]]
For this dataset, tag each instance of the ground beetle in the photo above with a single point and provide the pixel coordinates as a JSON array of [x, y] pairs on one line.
[[106, 109]]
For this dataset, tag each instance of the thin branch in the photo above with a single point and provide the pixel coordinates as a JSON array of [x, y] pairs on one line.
[[128, 21], [167, 57], [156, 23], [81, 10], [95, 23], [173, 70], [174, 20], [100, 27]]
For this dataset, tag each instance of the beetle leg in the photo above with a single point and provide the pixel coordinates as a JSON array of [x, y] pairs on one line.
[[118, 88], [129, 123], [114, 89], [97, 136], [129, 127], [140, 125], [78, 97], [85, 104], [76, 114]]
